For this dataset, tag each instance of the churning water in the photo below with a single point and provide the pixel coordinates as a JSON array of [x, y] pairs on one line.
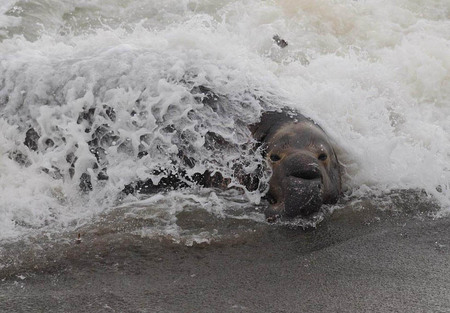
[[374, 74]]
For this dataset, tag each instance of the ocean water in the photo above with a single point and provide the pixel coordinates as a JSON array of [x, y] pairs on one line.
[[374, 74]]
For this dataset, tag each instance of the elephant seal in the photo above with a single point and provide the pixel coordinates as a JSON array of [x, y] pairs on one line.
[[305, 169]]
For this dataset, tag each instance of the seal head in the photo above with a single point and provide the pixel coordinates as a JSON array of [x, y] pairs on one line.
[[305, 168]]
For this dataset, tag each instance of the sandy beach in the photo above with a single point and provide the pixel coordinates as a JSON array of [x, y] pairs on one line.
[[356, 261]]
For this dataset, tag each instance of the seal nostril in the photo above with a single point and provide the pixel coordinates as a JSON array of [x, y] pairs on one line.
[[306, 174]]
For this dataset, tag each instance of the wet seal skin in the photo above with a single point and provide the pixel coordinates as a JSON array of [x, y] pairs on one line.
[[306, 171]]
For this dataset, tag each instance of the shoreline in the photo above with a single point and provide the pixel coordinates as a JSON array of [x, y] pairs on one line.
[[355, 261]]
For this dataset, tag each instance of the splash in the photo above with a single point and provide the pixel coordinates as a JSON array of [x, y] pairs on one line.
[[112, 91]]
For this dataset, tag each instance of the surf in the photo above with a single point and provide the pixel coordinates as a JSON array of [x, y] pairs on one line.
[[375, 77]]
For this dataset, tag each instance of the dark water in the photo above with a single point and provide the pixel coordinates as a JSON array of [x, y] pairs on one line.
[[365, 257]]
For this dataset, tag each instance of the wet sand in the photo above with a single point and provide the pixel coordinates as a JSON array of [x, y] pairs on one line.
[[355, 261]]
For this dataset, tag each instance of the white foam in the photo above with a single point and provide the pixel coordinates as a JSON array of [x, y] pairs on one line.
[[374, 74]]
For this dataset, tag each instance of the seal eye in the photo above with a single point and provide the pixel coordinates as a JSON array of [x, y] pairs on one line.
[[322, 157], [275, 157]]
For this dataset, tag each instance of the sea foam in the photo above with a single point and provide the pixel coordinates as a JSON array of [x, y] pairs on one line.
[[374, 75]]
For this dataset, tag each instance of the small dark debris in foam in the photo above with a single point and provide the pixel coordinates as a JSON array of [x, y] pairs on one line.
[[102, 175], [71, 158], [87, 115], [142, 154], [169, 129], [31, 139], [54, 172], [85, 182], [49, 143], [110, 112], [280, 42], [20, 158]]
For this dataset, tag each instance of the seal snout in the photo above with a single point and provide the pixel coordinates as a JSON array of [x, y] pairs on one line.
[[303, 166], [302, 185], [305, 169]]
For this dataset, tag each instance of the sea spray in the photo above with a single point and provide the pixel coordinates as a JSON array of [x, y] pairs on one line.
[[374, 75]]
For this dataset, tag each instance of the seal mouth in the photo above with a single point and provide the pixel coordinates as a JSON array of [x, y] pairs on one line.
[[302, 197]]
